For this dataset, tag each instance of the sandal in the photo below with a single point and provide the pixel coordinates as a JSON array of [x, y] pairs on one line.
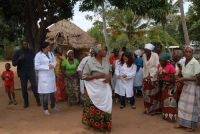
[[57, 109], [189, 130], [46, 112], [121, 107], [178, 126], [133, 107]]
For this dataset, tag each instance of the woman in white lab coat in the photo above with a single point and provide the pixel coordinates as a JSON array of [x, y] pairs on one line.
[[45, 63], [125, 72]]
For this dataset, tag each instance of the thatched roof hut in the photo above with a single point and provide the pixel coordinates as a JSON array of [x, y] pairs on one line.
[[70, 36]]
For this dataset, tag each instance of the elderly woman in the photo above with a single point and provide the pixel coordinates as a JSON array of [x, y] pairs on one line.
[[61, 92], [45, 63], [138, 81], [98, 95], [189, 105], [150, 88], [69, 67], [166, 79]]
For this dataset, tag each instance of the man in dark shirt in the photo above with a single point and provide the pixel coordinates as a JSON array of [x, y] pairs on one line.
[[24, 60]]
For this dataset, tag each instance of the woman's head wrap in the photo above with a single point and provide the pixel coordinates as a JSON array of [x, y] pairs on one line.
[[56, 49], [129, 51], [97, 48], [68, 52], [165, 56], [138, 53], [149, 46]]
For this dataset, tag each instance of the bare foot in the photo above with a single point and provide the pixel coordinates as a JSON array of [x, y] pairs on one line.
[[189, 130]]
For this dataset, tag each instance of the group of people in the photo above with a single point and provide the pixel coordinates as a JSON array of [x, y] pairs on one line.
[[167, 83]]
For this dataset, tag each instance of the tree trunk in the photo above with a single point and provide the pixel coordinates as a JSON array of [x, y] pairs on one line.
[[104, 28], [130, 41], [185, 31], [163, 24]]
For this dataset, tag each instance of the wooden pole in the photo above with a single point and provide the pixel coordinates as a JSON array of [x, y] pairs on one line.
[[67, 42]]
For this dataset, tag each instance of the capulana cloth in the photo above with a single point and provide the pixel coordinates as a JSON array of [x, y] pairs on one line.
[[138, 53], [97, 48], [149, 46], [69, 52], [165, 56]]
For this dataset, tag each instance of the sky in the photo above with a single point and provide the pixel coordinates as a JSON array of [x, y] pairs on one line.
[[80, 21]]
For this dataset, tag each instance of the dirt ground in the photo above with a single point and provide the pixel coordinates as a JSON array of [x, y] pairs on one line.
[[14, 119]]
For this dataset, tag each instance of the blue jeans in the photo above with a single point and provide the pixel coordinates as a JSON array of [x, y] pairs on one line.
[[45, 100]]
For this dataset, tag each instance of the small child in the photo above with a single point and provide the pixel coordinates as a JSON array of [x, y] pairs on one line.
[[8, 77]]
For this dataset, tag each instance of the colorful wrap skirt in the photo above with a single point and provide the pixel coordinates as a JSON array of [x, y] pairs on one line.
[[152, 97], [94, 117], [73, 88], [61, 92], [169, 101]]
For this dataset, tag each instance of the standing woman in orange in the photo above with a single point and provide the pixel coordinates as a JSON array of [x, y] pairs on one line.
[[61, 93]]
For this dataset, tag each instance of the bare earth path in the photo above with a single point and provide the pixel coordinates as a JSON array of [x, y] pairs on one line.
[[16, 120]]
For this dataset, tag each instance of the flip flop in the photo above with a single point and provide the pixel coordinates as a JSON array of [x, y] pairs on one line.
[[47, 114], [178, 127], [57, 109], [121, 107], [133, 107]]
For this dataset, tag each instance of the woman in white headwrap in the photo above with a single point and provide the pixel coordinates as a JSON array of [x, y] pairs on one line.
[[151, 91], [138, 81], [68, 68]]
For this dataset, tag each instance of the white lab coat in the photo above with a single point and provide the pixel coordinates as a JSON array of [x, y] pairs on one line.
[[124, 86], [46, 76]]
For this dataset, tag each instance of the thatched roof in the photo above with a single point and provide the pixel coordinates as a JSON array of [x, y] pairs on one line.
[[78, 39]]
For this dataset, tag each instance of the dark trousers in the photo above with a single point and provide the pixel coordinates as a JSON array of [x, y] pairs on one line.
[[45, 100], [24, 82], [123, 103]]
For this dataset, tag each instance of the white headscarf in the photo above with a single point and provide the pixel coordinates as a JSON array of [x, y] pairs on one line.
[[149, 46], [68, 52], [138, 53]]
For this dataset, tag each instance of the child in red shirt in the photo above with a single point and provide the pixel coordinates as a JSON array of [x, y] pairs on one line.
[[8, 77]]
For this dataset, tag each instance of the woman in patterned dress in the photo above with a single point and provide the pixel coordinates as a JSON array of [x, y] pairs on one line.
[[98, 94], [61, 93], [169, 95], [69, 67]]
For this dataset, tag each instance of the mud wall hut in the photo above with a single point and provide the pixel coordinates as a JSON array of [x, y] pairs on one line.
[[70, 37]]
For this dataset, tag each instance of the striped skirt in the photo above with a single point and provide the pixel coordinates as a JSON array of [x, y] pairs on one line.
[[189, 106]]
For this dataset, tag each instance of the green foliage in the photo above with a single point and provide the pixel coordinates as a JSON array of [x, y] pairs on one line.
[[193, 22], [96, 32], [27, 13], [119, 42], [125, 22]]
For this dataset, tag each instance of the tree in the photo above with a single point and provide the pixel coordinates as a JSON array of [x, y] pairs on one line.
[[10, 29], [96, 32], [125, 22], [185, 31], [30, 12], [193, 22], [93, 5]]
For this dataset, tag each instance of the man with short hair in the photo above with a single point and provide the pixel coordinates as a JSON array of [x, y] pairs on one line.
[[24, 60], [114, 57], [159, 49]]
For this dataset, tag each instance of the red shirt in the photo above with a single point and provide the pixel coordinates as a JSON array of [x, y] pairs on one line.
[[8, 81], [159, 54], [169, 68], [112, 58]]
